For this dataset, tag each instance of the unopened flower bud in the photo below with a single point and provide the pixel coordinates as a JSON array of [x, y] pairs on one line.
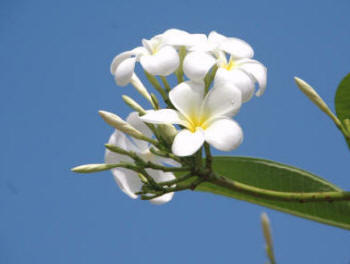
[[167, 132], [142, 178], [136, 82], [265, 222], [118, 123], [89, 168], [133, 104], [316, 99]]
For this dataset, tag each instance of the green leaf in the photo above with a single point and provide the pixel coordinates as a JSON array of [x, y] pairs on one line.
[[280, 177], [342, 99]]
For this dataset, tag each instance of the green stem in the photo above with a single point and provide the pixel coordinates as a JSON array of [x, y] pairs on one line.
[[165, 155], [141, 162], [209, 78], [279, 196], [153, 80], [208, 159], [177, 180], [198, 159], [179, 72], [190, 186], [165, 83], [151, 165]]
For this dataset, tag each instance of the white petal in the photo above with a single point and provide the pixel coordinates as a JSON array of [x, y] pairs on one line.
[[237, 48], [160, 176], [197, 64], [257, 71], [147, 44], [118, 139], [224, 99], [224, 134], [128, 181], [239, 78], [134, 120], [162, 199], [162, 116], [125, 71], [187, 143], [163, 62], [125, 55], [139, 51], [215, 37], [187, 97], [180, 38], [175, 37], [119, 59]]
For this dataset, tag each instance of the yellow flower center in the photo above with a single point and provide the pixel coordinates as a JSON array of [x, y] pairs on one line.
[[230, 65], [197, 122]]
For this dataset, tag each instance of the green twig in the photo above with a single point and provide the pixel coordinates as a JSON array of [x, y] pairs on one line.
[[165, 155], [153, 80], [190, 186], [144, 164], [208, 157], [179, 72], [177, 180], [165, 83], [209, 78]]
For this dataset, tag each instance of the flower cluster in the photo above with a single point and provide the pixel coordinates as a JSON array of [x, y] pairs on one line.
[[215, 74]]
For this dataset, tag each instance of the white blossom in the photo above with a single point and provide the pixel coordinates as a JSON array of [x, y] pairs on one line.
[[156, 57], [240, 69], [128, 180], [204, 117]]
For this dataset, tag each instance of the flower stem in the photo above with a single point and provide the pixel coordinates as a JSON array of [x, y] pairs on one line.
[[177, 180], [209, 78], [165, 83], [189, 186], [153, 80], [141, 162], [165, 155], [208, 157], [179, 72]]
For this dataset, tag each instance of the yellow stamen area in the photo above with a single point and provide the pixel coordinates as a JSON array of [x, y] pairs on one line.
[[155, 48], [195, 123], [230, 65]]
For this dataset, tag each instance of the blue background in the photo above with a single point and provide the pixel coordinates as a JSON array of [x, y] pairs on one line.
[[54, 77]]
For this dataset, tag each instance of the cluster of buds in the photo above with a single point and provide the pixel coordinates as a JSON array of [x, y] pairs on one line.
[[215, 75]]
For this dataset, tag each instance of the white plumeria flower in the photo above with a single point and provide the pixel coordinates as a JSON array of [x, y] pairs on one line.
[[204, 117], [240, 69], [156, 57], [128, 180]]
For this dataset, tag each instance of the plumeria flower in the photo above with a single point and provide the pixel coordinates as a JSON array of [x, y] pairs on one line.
[[240, 69], [205, 118], [128, 180], [155, 56]]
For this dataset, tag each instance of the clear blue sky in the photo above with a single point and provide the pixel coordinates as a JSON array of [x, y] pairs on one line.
[[54, 77]]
